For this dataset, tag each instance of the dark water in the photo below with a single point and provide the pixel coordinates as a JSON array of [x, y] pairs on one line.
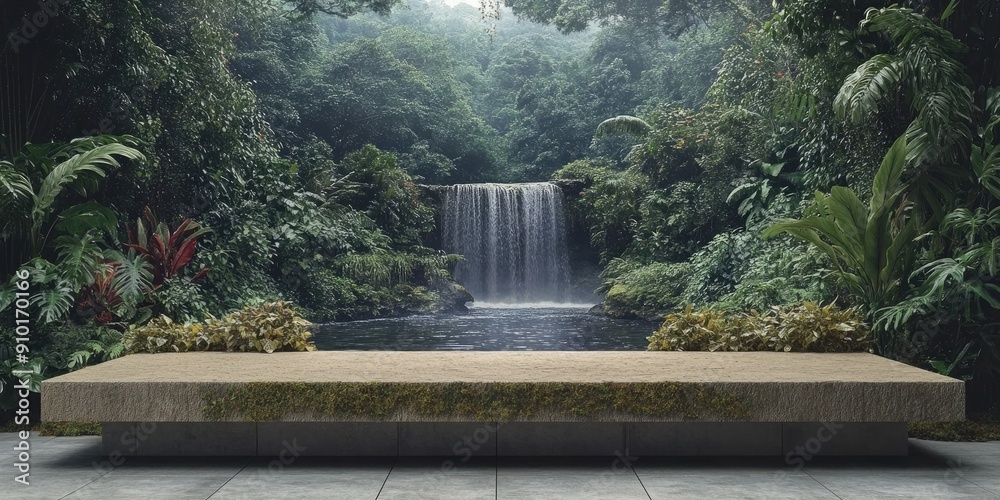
[[557, 328]]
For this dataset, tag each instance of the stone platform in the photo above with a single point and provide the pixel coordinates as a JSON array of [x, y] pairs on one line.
[[546, 403]]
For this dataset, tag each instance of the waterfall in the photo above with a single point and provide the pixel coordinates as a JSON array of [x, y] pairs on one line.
[[513, 238]]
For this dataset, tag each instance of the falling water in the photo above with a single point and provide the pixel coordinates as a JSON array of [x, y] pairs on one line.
[[513, 239]]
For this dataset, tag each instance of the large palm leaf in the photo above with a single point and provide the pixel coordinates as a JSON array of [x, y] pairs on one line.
[[925, 68], [16, 195], [623, 124], [75, 172]]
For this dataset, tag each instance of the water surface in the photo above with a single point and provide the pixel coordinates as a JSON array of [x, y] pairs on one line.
[[539, 327]]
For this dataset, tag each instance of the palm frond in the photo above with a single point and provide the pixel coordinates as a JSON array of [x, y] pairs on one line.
[[869, 85], [623, 124], [13, 184], [925, 68], [88, 216], [16, 194], [95, 162]]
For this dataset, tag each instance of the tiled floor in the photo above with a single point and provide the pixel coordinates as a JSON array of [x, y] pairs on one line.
[[72, 468]]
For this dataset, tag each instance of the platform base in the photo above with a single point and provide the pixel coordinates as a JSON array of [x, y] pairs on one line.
[[460, 439]]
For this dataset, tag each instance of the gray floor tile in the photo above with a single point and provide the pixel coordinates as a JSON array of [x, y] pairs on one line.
[[862, 484], [9, 439], [436, 478], [173, 466], [73, 466], [194, 486], [985, 479], [662, 483], [48, 485], [696, 464], [347, 479], [314, 465], [559, 479], [914, 463]]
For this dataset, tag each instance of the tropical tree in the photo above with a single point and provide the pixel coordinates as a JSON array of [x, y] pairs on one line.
[[963, 282], [38, 182], [924, 69], [870, 245], [673, 18]]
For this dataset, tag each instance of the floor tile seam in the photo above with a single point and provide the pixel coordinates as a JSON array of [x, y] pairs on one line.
[[995, 493], [88, 483], [644, 490], [249, 461], [386, 480], [827, 488]]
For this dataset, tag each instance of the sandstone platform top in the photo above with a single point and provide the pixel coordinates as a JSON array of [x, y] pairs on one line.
[[506, 366]]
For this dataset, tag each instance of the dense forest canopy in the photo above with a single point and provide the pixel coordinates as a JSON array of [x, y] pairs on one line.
[[193, 157]]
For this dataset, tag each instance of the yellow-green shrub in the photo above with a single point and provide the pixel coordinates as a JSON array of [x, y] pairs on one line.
[[268, 328], [805, 327]]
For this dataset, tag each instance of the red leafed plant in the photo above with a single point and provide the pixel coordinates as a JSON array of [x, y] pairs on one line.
[[100, 299], [168, 252]]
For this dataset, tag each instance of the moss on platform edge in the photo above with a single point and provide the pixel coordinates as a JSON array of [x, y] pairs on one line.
[[964, 431], [482, 402], [58, 429]]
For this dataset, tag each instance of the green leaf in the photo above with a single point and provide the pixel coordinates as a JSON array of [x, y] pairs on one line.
[[771, 169], [84, 217], [949, 10], [95, 163], [887, 179], [623, 124]]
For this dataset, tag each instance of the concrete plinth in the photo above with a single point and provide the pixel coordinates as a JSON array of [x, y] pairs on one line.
[[548, 403], [523, 439]]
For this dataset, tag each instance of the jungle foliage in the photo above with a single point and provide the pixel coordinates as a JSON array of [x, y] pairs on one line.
[[188, 159], [815, 107], [805, 327]]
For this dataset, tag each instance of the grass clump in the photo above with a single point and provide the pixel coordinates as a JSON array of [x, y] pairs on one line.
[[805, 327], [56, 428], [482, 402], [964, 431], [69, 429], [271, 327]]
